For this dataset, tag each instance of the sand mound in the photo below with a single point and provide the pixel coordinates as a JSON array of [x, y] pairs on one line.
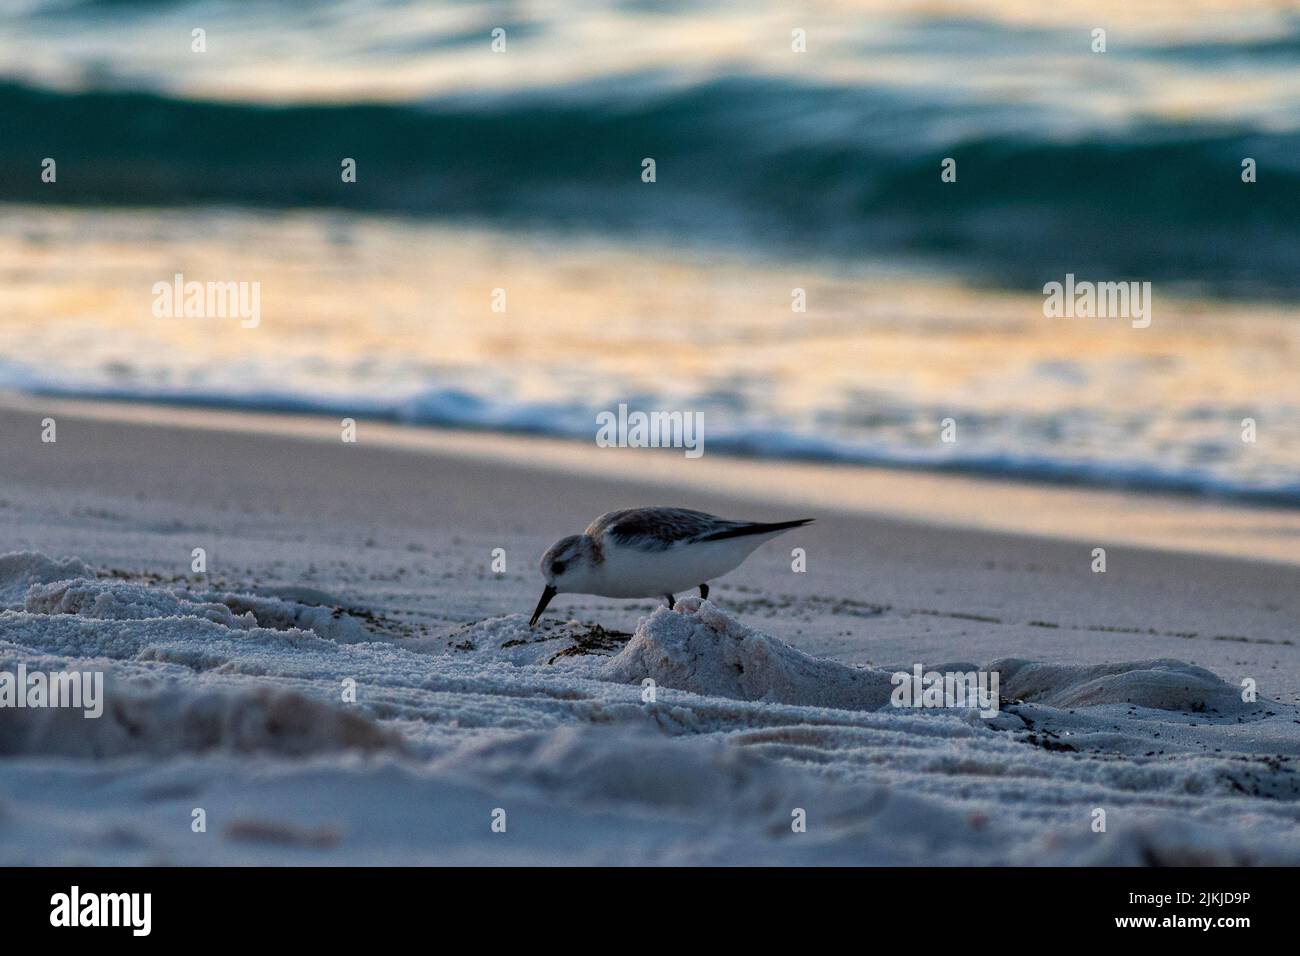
[[1158, 684], [331, 623], [121, 601], [177, 720], [39, 585], [699, 648], [19, 570]]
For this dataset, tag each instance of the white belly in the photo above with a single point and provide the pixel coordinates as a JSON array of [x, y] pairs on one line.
[[628, 572]]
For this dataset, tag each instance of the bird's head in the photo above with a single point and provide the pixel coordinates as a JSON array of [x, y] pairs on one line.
[[567, 566]]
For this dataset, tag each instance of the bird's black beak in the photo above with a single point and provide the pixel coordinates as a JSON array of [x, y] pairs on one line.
[[547, 594]]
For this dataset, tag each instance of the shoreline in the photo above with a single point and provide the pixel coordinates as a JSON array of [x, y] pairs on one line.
[[1143, 518]]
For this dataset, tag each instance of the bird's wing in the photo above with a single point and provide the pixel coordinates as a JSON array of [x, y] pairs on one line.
[[658, 529]]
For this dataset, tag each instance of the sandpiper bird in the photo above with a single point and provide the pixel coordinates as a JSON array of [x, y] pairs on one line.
[[651, 552]]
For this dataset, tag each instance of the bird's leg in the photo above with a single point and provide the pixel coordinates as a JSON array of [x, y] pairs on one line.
[[671, 601], [704, 591]]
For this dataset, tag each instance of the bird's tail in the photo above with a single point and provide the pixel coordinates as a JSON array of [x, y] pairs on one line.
[[757, 527]]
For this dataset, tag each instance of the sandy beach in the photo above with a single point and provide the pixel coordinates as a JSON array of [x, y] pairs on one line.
[[372, 563]]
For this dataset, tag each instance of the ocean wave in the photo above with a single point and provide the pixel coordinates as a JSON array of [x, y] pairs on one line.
[[766, 162], [1005, 452]]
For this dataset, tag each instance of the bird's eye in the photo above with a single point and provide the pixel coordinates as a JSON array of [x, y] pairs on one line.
[[557, 567]]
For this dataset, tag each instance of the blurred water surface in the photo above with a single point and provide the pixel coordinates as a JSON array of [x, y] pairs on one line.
[[776, 170]]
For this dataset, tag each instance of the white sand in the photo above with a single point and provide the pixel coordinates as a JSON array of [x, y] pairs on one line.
[[331, 563]]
